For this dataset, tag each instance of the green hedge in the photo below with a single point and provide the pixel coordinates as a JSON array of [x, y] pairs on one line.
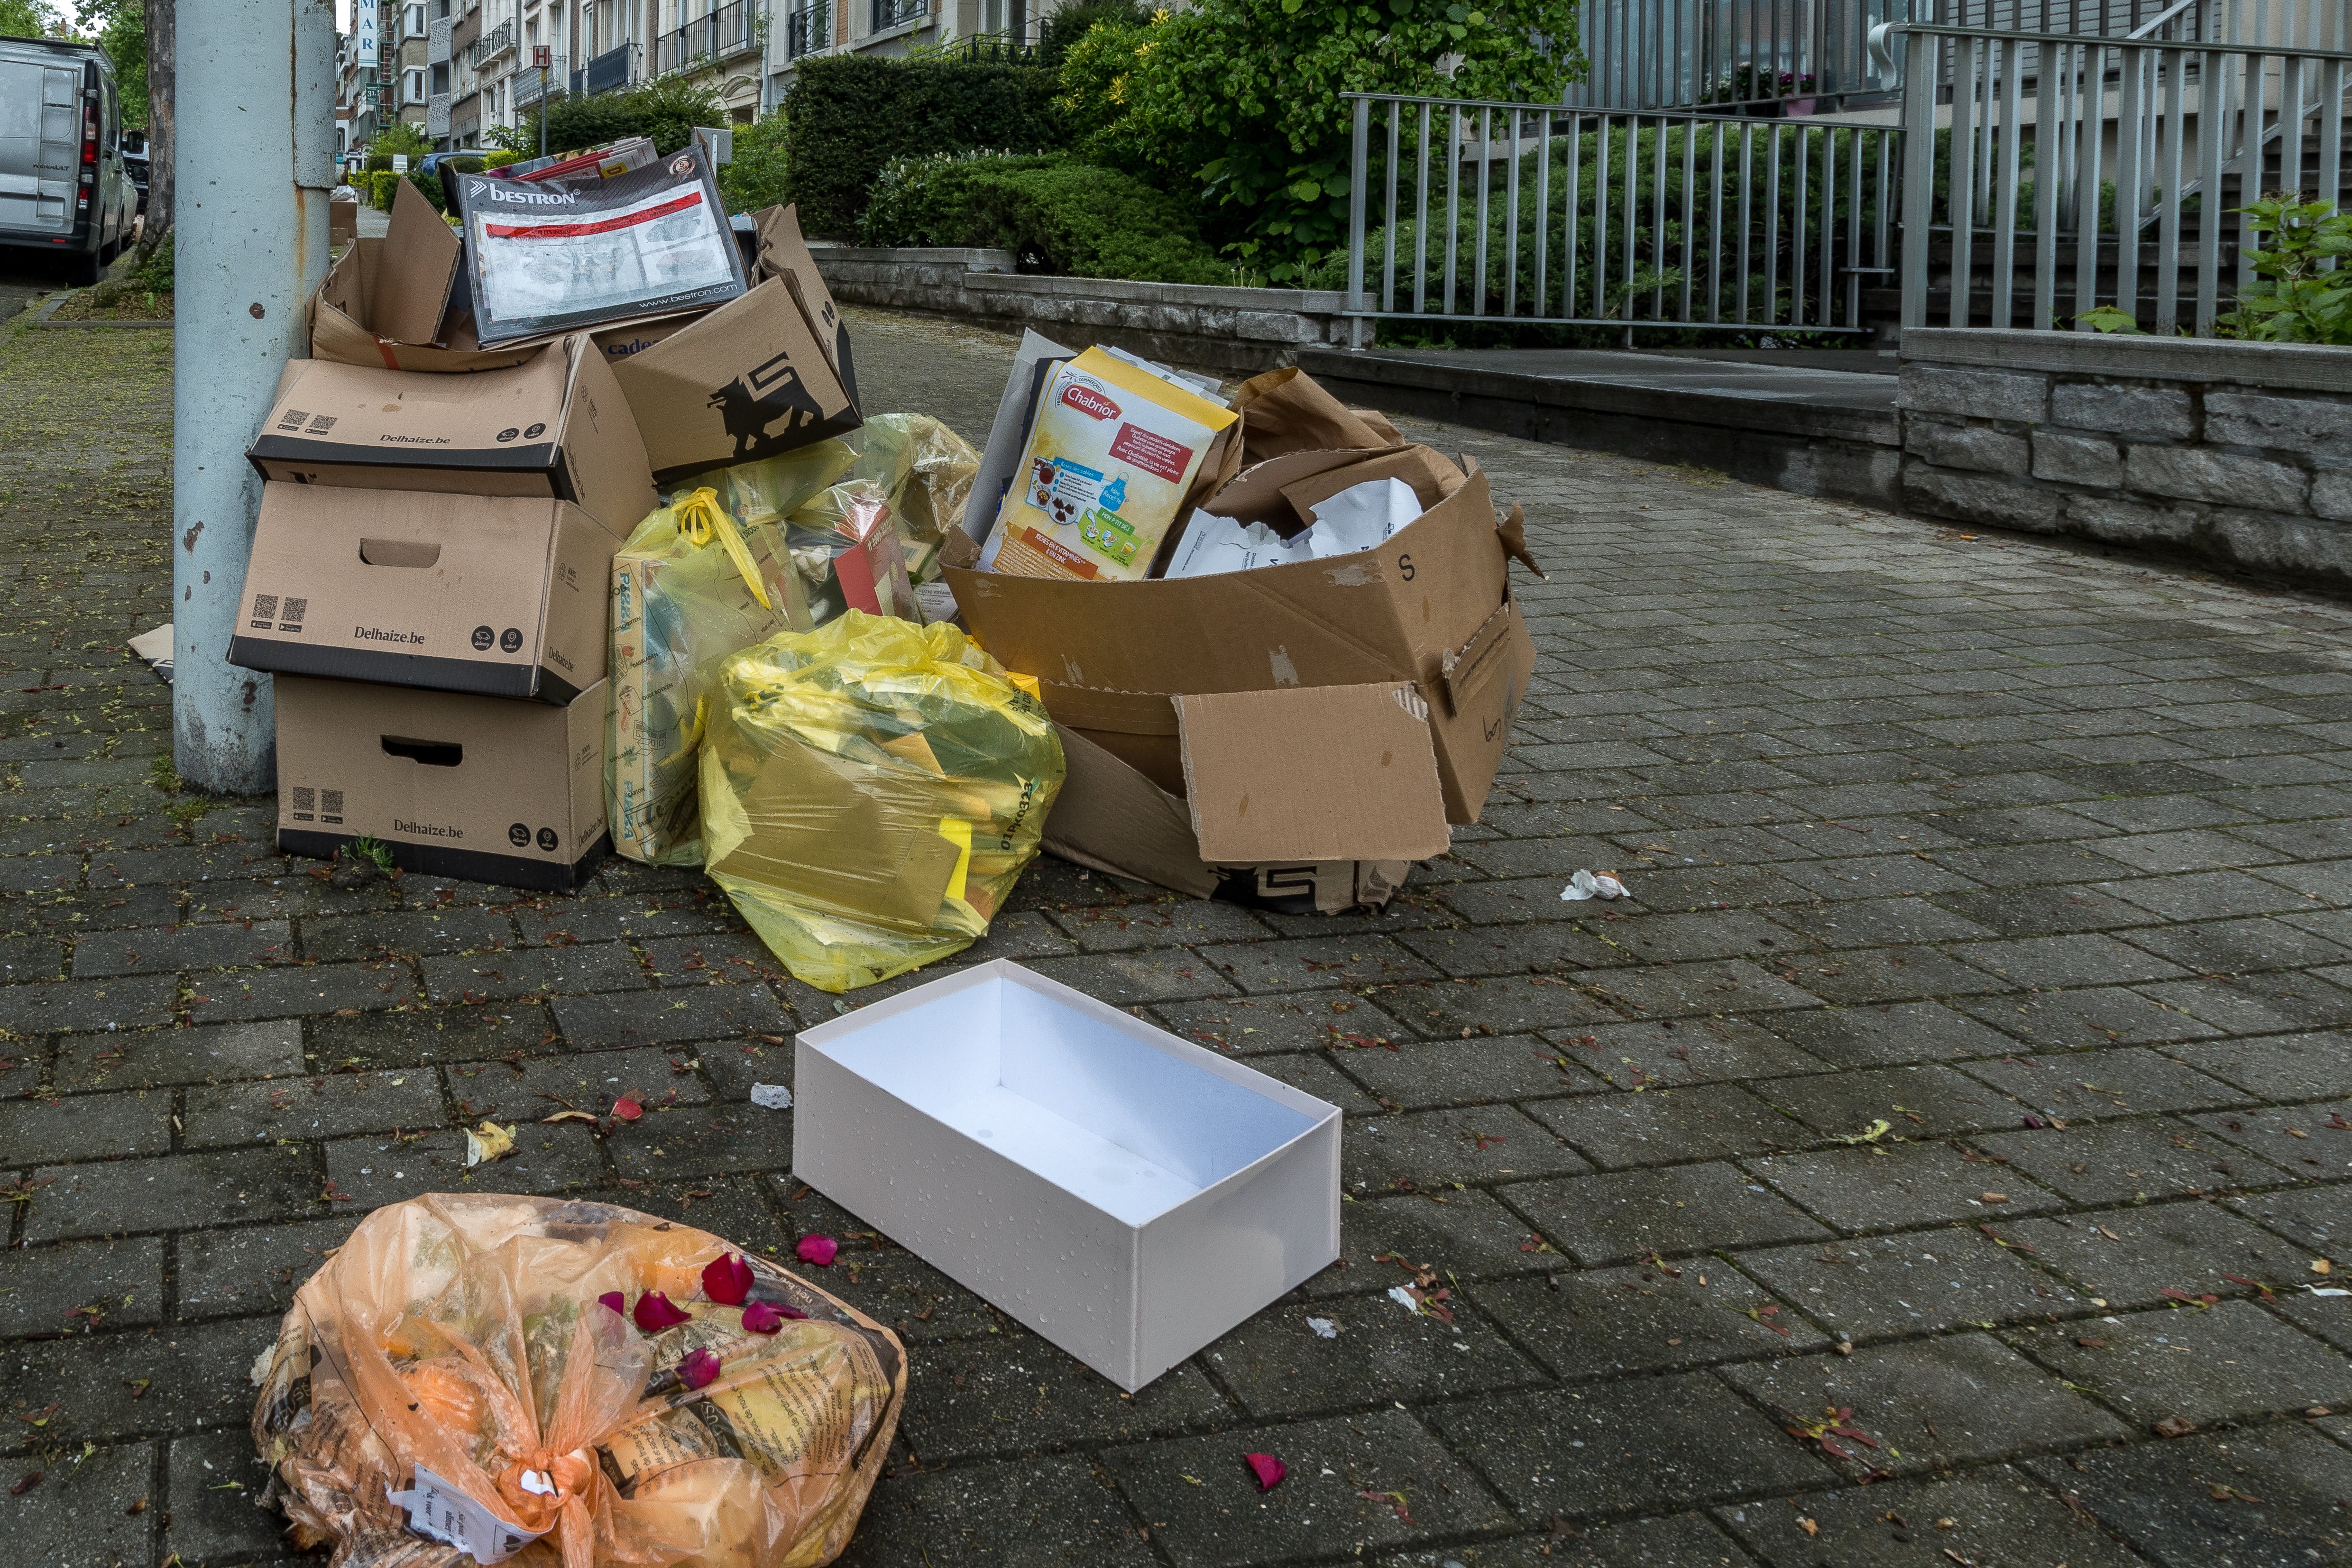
[[850, 115], [667, 110], [1056, 216], [762, 168]]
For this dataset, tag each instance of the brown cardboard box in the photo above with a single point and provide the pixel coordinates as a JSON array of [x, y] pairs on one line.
[[617, 344], [554, 425], [471, 787], [760, 375], [342, 223], [499, 595], [387, 302]]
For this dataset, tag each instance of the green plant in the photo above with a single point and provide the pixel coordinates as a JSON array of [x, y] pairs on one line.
[[375, 850], [154, 274], [1062, 30], [1054, 215], [120, 27], [849, 115], [2304, 294], [1095, 72], [1243, 98], [427, 185], [503, 157], [398, 137], [758, 176], [2108, 318]]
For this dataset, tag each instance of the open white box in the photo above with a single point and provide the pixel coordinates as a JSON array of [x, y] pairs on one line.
[[1127, 1195]]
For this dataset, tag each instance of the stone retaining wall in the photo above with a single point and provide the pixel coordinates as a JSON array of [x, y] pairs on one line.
[[1234, 330], [2237, 453]]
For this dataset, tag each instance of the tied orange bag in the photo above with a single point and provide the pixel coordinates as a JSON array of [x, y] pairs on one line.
[[570, 1383]]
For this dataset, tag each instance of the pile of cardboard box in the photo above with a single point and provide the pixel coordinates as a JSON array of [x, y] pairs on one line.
[[430, 567]]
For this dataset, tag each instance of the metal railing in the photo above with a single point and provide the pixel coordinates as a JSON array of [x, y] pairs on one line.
[[808, 29], [527, 87], [890, 13], [1531, 214], [2102, 171], [706, 40], [608, 72], [490, 44]]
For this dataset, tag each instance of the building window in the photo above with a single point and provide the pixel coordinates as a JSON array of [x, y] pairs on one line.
[[415, 93], [415, 23]]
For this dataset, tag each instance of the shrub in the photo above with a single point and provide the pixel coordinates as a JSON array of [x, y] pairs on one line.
[[758, 176], [849, 115], [1096, 71], [667, 110], [2301, 295], [154, 274], [501, 159], [1056, 216], [1061, 31]]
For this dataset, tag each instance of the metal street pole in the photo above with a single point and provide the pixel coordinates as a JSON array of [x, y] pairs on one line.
[[253, 161]]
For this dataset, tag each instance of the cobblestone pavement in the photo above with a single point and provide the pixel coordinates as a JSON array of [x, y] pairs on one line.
[[1960, 1104]]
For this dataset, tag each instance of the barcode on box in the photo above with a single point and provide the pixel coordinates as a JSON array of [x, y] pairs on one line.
[[306, 802], [292, 420], [264, 610], [322, 423], [291, 616], [330, 805]]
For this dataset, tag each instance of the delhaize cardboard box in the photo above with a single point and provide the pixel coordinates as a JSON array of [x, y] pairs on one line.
[[478, 788], [503, 596], [386, 303], [764, 374], [1285, 736], [554, 425]]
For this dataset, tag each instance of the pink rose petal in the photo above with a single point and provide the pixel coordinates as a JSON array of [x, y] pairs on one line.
[[1268, 1469], [700, 1369], [655, 1312], [820, 1251], [727, 1278], [627, 1109], [760, 1317], [616, 1302]]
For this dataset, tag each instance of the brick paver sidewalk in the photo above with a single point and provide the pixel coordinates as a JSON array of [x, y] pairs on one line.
[[1959, 1106]]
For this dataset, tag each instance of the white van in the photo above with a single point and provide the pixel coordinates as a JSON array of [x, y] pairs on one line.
[[63, 186]]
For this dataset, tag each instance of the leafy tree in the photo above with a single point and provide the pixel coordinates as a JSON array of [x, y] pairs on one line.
[[667, 111], [120, 29], [763, 161], [30, 19], [399, 137], [1060, 32], [1244, 97]]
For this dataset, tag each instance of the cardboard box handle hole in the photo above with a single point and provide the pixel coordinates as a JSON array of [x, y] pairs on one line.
[[431, 753], [413, 554]]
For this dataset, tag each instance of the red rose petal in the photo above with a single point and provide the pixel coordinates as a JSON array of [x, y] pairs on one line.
[[727, 1278], [655, 1312], [760, 1317], [616, 1300], [700, 1369], [820, 1251], [627, 1109], [1268, 1469]]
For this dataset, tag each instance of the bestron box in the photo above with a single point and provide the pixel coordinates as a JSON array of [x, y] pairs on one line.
[[1129, 1195], [554, 425], [504, 596], [478, 788]]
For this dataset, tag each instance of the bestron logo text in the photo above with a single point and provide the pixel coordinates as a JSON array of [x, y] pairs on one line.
[[427, 829], [504, 193]]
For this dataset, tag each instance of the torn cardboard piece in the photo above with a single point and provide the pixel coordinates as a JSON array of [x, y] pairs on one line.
[[555, 425], [1330, 773], [472, 786], [392, 303], [503, 596]]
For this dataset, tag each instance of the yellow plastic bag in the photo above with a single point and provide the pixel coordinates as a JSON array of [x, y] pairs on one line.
[[925, 470], [871, 791], [486, 1374], [772, 488], [689, 587]]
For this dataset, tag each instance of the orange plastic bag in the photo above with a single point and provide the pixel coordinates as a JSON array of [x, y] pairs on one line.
[[475, 1372]]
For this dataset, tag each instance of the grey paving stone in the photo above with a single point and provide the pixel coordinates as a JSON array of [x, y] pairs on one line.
[[2208, 895], [1442, 1148], [424, 1037], [2260, 1004], [1872, 923], [161, 1057], [1549, 948], [2239, 947], [1919, 1102], [2319, 1218], [2231, 1362], [2119, 1162], [670, 1018], [1505, 1004], [1886, 975], [237, 1271], [1666, 938], [282, 1110], [1888, 1286], [2129, 1257], [411, 931], [367, 1172], [2068, 1020], [292, 991], [1674, 1541], [2092, 1085], [1416, 1075], [133, 1002], [49, 1291], [1694, 1051], [1319, 1506], [1628, 1215], [1126, 978], [1276, 1364], [676, 1142], [1894, 1186], [1647, 1317], [1056, 1509], [588, 1081], [122, 1197], [2282, 1067], [1994, 1515], [84, 1126], [1930, 1404], [215, 946], [2037, 911], [2284, 1485], [193, 1373], [1582, 1453], [534, 971], [210, 1505], [1682, 990], [1461, 1235], [81, 1513], [1707, 1121], [1875, 1036], [2313, 1142], [1178, 923], [2051, 963], [1003, 1395], [1247, 1025]]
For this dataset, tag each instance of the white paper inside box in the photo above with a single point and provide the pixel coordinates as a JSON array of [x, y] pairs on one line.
[[1125, 1194]]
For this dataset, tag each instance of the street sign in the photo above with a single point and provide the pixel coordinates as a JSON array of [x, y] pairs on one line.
[[400, 162], [542, 56], [364, 39]]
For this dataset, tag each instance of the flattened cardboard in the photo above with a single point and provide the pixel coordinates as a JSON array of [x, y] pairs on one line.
[[342, 222], [1386, 615], [500, 596], [1328, 774], [784, 254], [554, 425], [748, 380], [421, 256], [1289, 411], [617, 344], [459, 786]]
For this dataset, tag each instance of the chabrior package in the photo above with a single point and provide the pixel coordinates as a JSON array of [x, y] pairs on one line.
[[546, 255], [1113, 452]]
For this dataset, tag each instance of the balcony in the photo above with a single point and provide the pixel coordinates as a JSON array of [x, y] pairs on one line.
[[608, 72], [724, 34], [889, 13], [499, 40], [436, 115], [526, 80], [436, 41], [808, 30]]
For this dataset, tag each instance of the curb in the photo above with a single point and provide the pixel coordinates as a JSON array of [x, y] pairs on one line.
[[50, 307]]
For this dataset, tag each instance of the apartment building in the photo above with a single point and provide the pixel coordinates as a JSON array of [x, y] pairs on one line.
[[398, 87], [807, 27]]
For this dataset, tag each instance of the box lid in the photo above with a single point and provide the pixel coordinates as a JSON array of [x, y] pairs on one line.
[[338, 413], [1323, 773], [415, 270]]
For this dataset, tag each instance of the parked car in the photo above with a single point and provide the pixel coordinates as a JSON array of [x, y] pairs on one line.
[[136, 162], [64, 188]]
